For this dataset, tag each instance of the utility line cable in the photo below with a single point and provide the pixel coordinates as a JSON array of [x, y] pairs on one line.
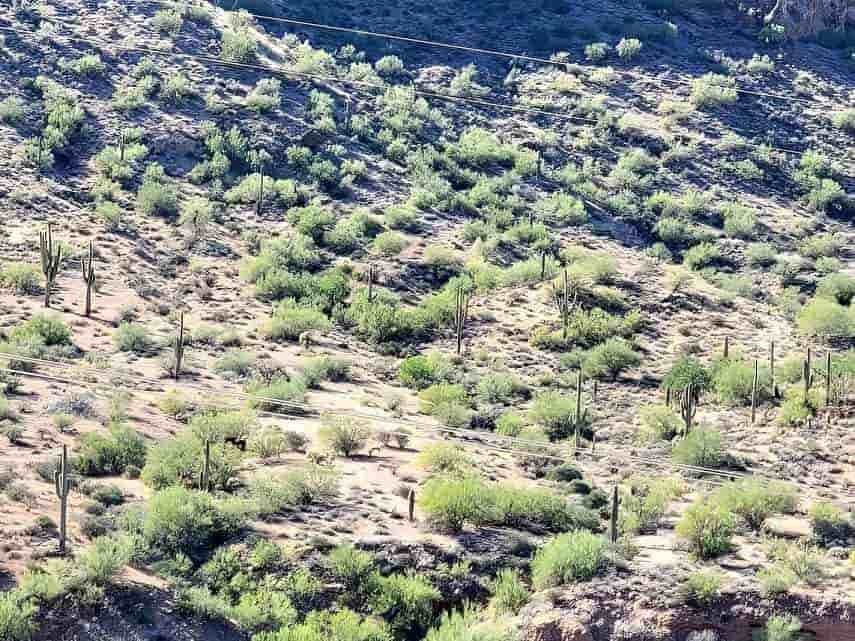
[[495, 53]]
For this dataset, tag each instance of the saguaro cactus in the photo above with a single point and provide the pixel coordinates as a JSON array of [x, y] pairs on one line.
[[51, 261], [461, 313], [62, 486], [754, 391], [370, 277], [808, 378], [259, 203], [179, 348], [580, 414], [613, 527], [772, 369], [88, 268], [565, 303], [726, 353], [411, 504], [205, 480], [828, 379], [688, 406]]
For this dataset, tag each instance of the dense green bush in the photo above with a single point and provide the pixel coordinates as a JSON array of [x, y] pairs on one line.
[[48, 329], [687, 371], [23, 278], [313, 484], [130, 337], [707, 527], [290, 319], [574, 556], [645, 502], [713, 90], [838, 287], [701, 255], [739, 221], [733, 381], [827, 319], [754, 501], [267, 396], [406, 601], [445, 459], [179, 461], [659, 423], [628, 48], [702, 447], [453, 503], [343, 625], [17, 616], [828, 523], [781, 628], [353, 568], [420, 372], [325, 368], [110, 454], [177, 520], [610, 359], [157, 195], [557, 414], [509, 593]]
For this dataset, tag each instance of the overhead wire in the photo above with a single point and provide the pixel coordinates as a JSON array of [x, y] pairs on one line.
[[533, 448], [488, 52], [360, 84]]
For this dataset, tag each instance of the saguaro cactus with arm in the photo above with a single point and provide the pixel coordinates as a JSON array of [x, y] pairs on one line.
[[88, 268], [51, 261], [62, 486]]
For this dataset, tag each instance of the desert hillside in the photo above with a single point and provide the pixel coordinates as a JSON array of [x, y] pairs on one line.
[[482, 321]]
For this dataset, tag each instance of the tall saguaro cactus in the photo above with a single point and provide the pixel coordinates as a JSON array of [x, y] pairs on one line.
[[580, 414], [565, 303], [259, 203], [772, 369], [754, 391], [205, 480], [62, 486], [370, 277], [461, 313], [179, 348], [688, 406], [613, 527], [88, 268], [51, 261], [828, 379]]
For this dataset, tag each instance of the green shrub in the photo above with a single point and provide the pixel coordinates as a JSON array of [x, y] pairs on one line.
[[389, 243], [659, 423], [406, 601], [838, 287], [701, 255], [313, 484], [828, 523], [343, 625], [645, 503], [499, 387], [439, 394], [574, 556], [775, 580], [733, 382], [557, 414], [129, 337], [237, 43], [17, 616], [445, 459], [102, 561], [179, 461], [290, 319], [48, 329], [509, 593], [798, 408], [739, 221], [12, 110], [713, 90], [353, 568], [510, 424], [845, 120], [597, 51], [325, 368], [89, 65], [707, 527], [826, 319], [701, 447], [21, 277], [264, 396], [167, 22], [112, 454], [264, 96], [687, 371], [610, 359], [235, 362], [453, 503], [344, 436], [761, 254], [177, 520], [157, 195], [420, 372], [781, 628], [402, 217], [520, 507], [468, 624], [704, 586], [754, 501], [628, 48]]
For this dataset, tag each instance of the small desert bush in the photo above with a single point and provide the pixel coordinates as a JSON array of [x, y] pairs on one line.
[[48, 329], [291, 319], [754, 501], [353, 568], [23, 278], [420, 372], [609, 359], [445, 459], [659, 423], [269, 396], [713, 90], [828, 319], [828, 523], [707, 527], [130, 337], [733, 382], [344, 436], [628, 48], [704, 586], [570, 557], [405, 601], [110, 454]]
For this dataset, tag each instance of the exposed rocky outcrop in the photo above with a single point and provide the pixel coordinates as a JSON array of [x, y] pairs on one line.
[[805, 18], [610, 610]]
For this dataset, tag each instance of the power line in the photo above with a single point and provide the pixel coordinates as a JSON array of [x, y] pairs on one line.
[[359, 84], [532, 448], [492, 52]]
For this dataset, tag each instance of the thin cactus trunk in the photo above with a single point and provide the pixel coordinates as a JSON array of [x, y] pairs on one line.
[[370, 276], [565, 304], [259, 203], [39, 156], [122, 142], [613, 527], [754, 391], [688, 406], [806, 375], [668, 397], [577, 419], [179, 348], [62, 487], [726, 353], [205, 483], [88, 267], [51, 261], [460, 315], [828, 379], [411, 505], [772, 369]]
